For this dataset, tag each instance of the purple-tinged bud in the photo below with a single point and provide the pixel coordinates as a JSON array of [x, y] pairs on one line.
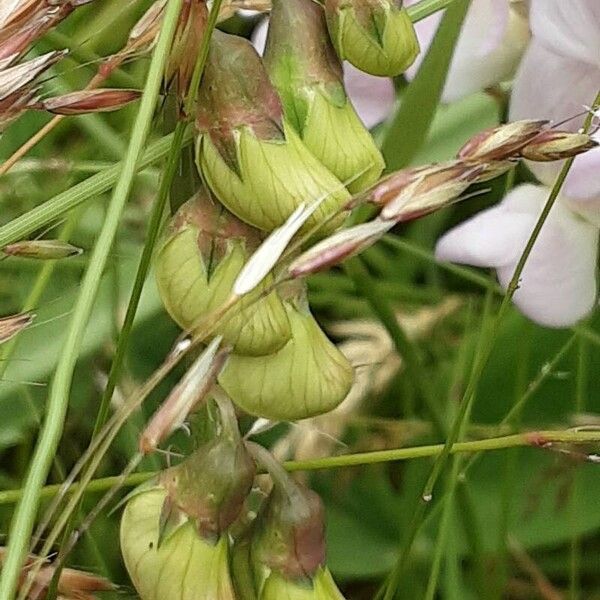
[[502, 142], [188, 38], [376, 36], [26, 22], [338, 247], [307, 73], [16, 85], [173, 530], [251, 157], [178, 565], [42, 249], [289, 532], [88, 101], [211, 486], [388, 188], [556, 145], [432, 188], [10, 326]]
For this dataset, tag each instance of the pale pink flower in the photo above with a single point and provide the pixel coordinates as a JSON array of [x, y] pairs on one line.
[[492, 40], [558, 285], [372, 97], [559, 76]]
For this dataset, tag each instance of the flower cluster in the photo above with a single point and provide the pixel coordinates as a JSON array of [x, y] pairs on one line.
[[274, 135], [190, 532]]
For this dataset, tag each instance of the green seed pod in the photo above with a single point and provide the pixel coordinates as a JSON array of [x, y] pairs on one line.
[[202, 251], [250, 156], [182, 566], [376, 36], [307, 377], [304, 68]]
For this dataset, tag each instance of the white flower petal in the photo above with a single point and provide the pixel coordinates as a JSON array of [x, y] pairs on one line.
[[492, 238], [570, 28], [551, 86], [259, 36], [490, 45], [372, 97], [558, 284]]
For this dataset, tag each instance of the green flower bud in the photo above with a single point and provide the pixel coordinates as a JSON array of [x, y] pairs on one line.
[[201, 254], [322, 587], [376, 36], [183, 565], [304, 68], [289, 533], [287, 540], [250, 156], [307, 377], [211, 486]]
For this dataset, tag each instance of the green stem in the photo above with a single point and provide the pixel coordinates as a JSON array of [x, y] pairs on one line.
[[380, 306], [581, 390], [56, 407], [425, 8], [443, 531], [530, 439], [154, 225]]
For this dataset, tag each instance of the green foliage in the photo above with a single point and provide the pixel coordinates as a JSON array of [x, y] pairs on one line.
[[506, 502]]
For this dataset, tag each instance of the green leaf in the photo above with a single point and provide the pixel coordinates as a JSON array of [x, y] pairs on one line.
[[408, 131]]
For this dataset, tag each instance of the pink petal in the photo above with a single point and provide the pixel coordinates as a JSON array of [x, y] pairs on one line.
[[551, 86], [570, 28], [490, 45], [558, 284], [491, 238], [372, 97]]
